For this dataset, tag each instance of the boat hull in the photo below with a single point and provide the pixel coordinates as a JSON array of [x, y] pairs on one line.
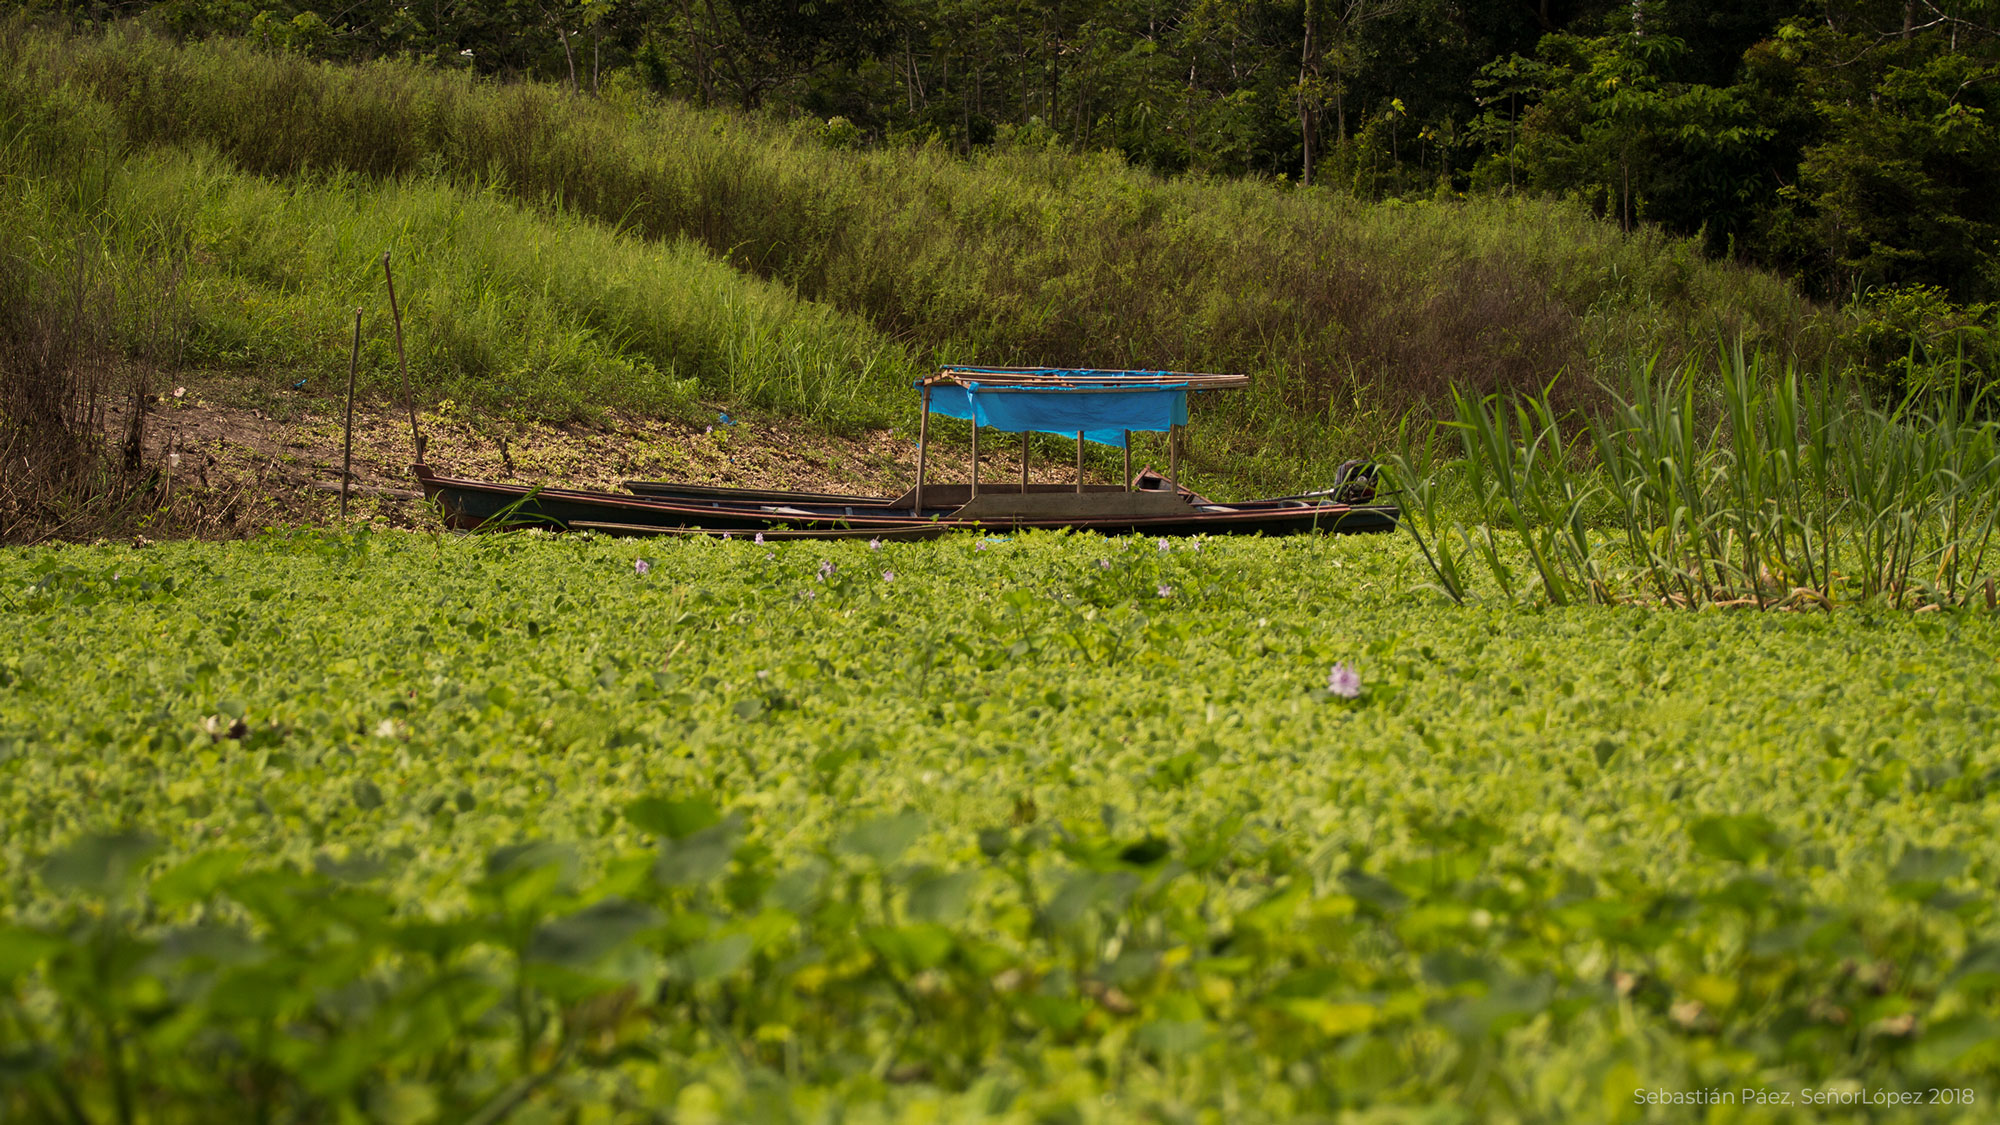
[[471, 504]]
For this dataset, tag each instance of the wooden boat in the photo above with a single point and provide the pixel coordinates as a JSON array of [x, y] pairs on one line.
[[1099, 406]]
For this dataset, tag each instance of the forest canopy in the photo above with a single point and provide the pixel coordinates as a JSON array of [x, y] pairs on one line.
[[1847, 143]]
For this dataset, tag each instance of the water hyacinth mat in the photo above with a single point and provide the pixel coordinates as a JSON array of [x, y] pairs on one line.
[[1045, 827]]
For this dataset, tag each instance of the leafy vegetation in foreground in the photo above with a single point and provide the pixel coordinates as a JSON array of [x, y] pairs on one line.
[[1041, 828]]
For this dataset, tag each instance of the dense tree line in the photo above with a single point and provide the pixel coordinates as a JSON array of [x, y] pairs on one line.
[[1848, 142]]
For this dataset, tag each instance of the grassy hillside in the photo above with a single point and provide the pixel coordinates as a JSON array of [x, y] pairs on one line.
[[536, 313], [660, 243]]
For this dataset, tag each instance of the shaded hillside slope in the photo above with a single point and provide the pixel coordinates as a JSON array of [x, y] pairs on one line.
[[1020, 256]]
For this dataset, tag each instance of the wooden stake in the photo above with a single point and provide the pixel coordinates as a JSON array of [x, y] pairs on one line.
[[1079, 460], [173, 456], [347, 443], [402, 364], [1024, 462], [1128, 460], [923, 450], [1174, 459], [975, 459]]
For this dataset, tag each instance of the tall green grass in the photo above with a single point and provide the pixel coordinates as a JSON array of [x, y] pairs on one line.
[[1795, 492], [1346, 313], [76, 308], [538, 313]]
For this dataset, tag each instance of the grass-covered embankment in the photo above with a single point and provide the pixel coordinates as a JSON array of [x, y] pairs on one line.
[[1345, 313], [536, 313]]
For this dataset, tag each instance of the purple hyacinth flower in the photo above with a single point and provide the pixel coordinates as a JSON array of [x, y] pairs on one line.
[[1344, 681], [641, 566]]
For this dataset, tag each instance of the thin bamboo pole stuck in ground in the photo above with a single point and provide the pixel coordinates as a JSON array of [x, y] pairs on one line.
[[347, 442], [923, 450], [1024, 462], [975, 458], [1079, 460], [402, 364], [1128, 460]]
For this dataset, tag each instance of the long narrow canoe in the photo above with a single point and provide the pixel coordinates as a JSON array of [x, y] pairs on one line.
[[469, 504]]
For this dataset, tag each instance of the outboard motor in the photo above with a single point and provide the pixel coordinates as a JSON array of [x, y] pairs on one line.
[[1354, 482]]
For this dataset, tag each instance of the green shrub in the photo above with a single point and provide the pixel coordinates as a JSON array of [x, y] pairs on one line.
[[1914, 340]]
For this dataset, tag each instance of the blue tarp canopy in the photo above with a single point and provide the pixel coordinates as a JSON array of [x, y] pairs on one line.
[[1097, 407]]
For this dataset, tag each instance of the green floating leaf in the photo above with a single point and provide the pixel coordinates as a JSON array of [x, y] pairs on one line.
[[1449, 968], [1978, 971], [673, 819], [1372, 891], [1057, 1013], [523, 875], [1946, 1048], [994, 842], [699, 857], [100, 864], [196, 878], [1146, 852], [884, 838], [1507, 1003], [1173, 1037], [1741, 839], [1178, 771], [1087, 892], [514, 860], [797, 890], [357, 868], [18, 1065], [1921, 872], [582, 939], [213, 945], [714, 959], [21, 950], [912, 949], [941, 897], [438, 940], [402, 1103]]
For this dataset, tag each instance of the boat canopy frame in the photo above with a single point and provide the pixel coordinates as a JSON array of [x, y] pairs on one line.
[[1089, 404]]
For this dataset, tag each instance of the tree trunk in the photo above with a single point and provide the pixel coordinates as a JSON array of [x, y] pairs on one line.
[[568, 57], [1625, 196], [1308, 112]]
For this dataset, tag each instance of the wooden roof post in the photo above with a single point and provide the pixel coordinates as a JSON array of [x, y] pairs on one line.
[[923, 449]]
